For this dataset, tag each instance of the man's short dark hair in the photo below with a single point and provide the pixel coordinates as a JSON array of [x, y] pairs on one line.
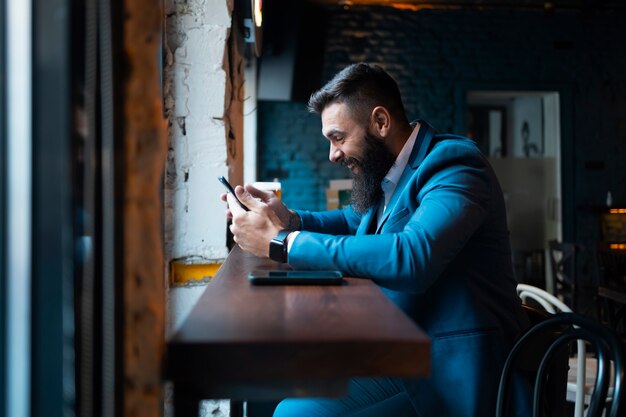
[[361, 87]]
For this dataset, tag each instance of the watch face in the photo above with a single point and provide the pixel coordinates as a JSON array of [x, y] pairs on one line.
[[277, 249]]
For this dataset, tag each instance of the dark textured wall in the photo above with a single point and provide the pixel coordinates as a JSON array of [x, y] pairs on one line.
[[438, 55], [293, 149]]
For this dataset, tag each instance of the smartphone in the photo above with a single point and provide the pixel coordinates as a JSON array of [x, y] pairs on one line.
[[274, 277], [231, 190]]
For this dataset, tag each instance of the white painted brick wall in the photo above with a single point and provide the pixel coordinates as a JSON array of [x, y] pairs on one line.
[[195, 90]]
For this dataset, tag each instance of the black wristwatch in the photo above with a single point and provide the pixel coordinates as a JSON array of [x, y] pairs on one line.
[[278, 246]]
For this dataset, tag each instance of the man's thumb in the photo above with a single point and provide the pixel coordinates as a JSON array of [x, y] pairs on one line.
[[256, 193], [245, 197]]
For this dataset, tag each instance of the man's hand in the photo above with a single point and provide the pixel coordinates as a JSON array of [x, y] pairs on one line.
[[253, 230], [288, 218]]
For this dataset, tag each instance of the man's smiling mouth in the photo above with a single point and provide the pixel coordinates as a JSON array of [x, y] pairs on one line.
[[351, 164]]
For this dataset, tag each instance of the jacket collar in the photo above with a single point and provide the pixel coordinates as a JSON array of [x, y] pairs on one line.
[[423, 143]]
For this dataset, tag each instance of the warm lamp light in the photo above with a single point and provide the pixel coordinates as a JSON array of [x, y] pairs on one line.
[[257, 12]]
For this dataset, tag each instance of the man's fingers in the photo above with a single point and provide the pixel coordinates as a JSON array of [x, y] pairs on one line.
[[247, 199], [233, 205], [255, 192]]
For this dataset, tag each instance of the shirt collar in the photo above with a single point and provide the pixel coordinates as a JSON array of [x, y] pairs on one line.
[[396, 170]]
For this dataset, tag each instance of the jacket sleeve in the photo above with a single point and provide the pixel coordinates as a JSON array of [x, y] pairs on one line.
[[333, 222], [449, 197]]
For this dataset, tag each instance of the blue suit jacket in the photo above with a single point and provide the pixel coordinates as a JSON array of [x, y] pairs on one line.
[[442, 254]]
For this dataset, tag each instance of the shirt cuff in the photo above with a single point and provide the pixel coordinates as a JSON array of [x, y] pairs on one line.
[[292, 237]]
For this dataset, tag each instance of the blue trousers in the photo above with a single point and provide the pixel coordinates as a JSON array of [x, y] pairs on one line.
[[367, 397]]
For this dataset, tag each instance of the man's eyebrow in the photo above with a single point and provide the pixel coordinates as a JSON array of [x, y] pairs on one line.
[[333, 132]]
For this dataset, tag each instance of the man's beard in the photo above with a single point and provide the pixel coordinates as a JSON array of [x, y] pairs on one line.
[[376, 162]]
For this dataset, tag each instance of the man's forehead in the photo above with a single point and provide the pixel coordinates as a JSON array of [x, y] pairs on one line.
[[334, 110], [336, 119]]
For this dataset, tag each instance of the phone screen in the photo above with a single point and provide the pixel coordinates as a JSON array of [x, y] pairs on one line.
[[231, 190], [273, 277]]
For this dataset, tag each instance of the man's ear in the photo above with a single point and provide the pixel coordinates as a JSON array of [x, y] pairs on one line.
[[380, 121]]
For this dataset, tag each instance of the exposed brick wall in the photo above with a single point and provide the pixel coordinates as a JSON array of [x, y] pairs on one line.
[[436, 55], [202, 83], [198, 81], [293, 150]]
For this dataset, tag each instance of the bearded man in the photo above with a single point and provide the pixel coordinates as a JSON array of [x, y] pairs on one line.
[[427, 223]]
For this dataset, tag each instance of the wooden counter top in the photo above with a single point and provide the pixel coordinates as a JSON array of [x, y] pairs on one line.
[[244, 341]]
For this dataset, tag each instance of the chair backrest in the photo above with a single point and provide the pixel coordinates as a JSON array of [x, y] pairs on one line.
[[553, 305], [528, 362], [546, 300], [560, 330], [535, 316]]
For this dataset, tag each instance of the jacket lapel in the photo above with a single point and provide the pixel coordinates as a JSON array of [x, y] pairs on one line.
[[421, 147], [366, 221]]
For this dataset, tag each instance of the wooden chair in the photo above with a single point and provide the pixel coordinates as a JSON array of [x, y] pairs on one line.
[[559, 331]]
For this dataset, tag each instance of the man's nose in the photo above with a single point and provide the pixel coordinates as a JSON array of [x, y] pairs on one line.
[[335, 154]]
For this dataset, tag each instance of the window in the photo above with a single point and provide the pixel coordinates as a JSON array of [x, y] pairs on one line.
[[3, 179]]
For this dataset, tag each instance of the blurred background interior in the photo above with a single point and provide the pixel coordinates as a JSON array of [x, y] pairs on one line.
[[117, 115]]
